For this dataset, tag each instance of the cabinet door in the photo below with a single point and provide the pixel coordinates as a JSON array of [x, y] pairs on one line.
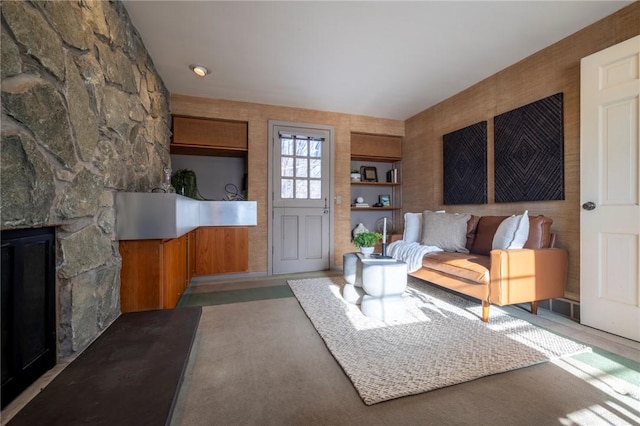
[[174, 270], [210, 133], [141, 275], [222, 250], [375, 147]]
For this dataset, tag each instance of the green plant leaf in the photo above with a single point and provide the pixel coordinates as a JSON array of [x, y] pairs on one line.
[[366, 239]]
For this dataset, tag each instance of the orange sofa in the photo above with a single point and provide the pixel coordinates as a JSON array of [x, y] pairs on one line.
[[503, 276]]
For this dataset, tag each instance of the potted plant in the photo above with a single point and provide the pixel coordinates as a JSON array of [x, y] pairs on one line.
[[355, 175], [366, 240]]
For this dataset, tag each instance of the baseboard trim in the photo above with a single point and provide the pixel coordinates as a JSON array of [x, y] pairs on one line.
[[565, 307]]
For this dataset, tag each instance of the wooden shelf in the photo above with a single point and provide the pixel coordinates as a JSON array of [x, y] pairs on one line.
[[375, 208], [375, 183]]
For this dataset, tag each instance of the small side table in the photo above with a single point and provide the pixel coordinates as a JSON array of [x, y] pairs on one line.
[[375, 284]]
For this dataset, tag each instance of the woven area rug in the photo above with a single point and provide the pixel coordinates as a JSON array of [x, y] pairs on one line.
[[439, 342]]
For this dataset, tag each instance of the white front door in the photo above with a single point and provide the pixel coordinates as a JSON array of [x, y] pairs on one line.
[[610, 190], [301, 198]]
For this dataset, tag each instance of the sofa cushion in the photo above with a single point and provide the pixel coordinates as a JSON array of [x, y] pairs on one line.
[[539, 232], [468, 266], [486, 229], [444, 230], [512, 233]]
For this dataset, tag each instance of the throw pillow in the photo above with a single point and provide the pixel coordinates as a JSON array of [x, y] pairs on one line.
[[512, 232], [412, 227], [445, 230]]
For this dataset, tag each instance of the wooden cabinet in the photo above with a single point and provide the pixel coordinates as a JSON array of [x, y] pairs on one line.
[[206, 136], [222, 250], [154, 273], [365, 146]]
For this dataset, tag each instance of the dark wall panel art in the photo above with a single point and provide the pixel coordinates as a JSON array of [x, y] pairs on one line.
[[465, 165], [529, 152]]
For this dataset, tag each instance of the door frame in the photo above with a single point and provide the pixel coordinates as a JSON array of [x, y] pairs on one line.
[[272, 124]]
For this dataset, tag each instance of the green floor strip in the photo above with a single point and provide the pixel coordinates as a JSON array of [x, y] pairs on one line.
[[612, 364], [235, 296]]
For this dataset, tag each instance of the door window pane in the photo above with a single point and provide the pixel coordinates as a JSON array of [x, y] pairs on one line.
[[301, 167], [315, 169], [315, 149], [286, 188], [286, 146], [315, 189], [286, 167], [302, 146], [301, 189]]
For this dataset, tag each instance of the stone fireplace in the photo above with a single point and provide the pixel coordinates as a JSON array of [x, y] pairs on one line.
[[84, 115]]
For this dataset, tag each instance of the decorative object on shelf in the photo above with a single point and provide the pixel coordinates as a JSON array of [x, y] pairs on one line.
[[384, 200], [359, 202], [392, 176], [232, 193], [355, 175], [465, 165], [365, 241], [359, 228], [165, 186], [529, 152], [184, 182], [380, 225], [369, 174]]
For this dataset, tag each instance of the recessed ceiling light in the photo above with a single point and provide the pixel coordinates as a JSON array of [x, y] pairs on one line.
[[199, 70]]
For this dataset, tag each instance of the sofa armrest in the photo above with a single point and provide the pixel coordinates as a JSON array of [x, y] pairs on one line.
[[527, 275]]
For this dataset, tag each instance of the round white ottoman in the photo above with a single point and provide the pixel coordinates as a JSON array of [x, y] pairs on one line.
[[349, 267], [352, 294], [381, 279], [383, 308]]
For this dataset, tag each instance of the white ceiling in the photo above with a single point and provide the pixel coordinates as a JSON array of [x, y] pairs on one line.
[[382, 59]]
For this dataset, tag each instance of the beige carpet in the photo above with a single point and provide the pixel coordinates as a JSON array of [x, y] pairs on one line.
[[439, 342], [262, 363]]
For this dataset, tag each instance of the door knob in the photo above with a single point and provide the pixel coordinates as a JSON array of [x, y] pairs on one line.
[[589, 205]]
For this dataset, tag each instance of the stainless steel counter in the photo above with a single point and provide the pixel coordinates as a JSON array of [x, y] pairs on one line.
[[143, 215]]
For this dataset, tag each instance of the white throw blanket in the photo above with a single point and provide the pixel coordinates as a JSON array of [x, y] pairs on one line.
[[411, 253]]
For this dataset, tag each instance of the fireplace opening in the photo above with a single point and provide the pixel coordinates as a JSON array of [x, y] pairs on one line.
[[28, 308]]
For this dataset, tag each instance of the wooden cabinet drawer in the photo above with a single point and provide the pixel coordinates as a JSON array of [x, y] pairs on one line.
[[210, 133], [366, 146]]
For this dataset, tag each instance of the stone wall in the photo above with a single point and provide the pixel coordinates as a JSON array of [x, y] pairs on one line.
[[84, 114]]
